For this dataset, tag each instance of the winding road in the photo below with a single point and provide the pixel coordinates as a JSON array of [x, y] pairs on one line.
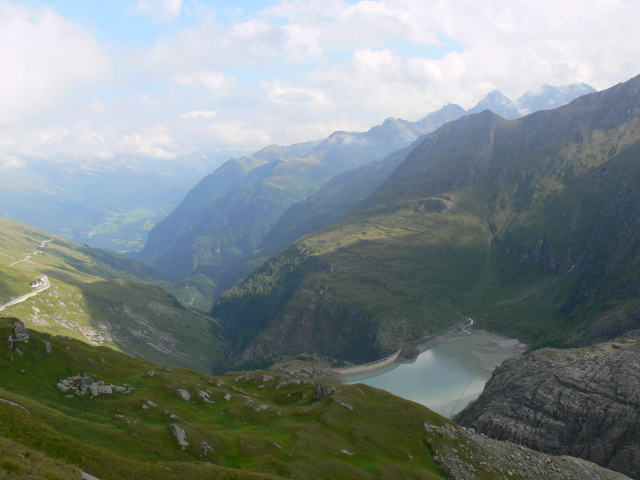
[[33, 293], [464, 329], [46, 283]]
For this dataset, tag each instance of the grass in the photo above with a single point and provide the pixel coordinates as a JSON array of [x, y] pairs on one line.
[[112, 436], [89, 302]]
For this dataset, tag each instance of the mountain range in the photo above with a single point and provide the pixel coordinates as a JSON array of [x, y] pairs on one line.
[[529, 225], [228, 225]]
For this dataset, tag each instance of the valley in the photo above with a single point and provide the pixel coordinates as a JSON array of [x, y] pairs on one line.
[[294, 261], [504, 220], [319, 240]]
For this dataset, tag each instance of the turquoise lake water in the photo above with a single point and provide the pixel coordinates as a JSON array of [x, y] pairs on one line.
[[446, 375]]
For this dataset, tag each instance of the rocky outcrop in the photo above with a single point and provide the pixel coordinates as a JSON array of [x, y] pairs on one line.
[[463, 454], [580, 402], [180, 435], [184, 394], [321, 392], [19, 334], [304, 330], [408, 352], [84, 384]]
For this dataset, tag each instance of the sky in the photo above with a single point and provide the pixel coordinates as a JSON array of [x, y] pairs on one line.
[[98, 79]]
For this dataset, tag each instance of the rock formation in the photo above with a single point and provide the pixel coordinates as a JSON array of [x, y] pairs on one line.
[[19, 334], [466, 455], [84, 384], [180, 435], [322, 391], [408, 352], [581, 402]]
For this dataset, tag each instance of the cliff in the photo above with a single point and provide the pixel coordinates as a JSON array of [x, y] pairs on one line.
[[581, 402]]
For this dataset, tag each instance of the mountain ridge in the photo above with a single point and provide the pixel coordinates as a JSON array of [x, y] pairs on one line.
[[221, 238], [474, 202]]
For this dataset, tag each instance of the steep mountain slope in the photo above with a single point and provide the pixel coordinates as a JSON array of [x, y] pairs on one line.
[[97, 296], [224, 219], [227, 226], [509, 221], [331, 203], [343, 192], [117, 417], [582, 402]]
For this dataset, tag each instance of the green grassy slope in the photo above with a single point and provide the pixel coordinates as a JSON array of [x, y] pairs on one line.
[[260, 428], [527, 225], [331, 203], [96, 296]]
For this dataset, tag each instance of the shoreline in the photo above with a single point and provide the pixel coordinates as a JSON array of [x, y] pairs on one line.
[[496, 349]]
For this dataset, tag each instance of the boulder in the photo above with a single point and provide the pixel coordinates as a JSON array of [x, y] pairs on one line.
[[321, 392], [180, 435]]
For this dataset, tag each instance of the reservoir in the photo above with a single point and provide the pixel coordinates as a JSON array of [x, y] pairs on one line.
[[446, 377]]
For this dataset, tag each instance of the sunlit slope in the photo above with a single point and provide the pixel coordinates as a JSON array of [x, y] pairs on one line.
[[528, 225], [100, 302], [331, 203]]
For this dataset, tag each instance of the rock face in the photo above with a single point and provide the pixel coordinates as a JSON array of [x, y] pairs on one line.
[[580, 402], [180, 435], [20, 334], [321, 392], [465, 455]]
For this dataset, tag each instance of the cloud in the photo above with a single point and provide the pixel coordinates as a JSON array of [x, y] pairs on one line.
[[199, 114], [43, 55], [213, 81], [238, 134], [158, 10], [154, 143], [12, 161], [296, 95], [97, 107], [294, 71]]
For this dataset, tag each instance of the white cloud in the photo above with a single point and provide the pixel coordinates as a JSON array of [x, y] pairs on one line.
[[299, 96], [158, 10], [238, 133], [197, 114], [292, 72], [154, 143], [214, 81], [97, 107], [42, 55], [12, 161]]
